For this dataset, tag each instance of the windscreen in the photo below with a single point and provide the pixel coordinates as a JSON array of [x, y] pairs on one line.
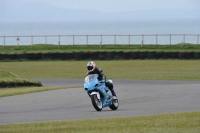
[[89, 78]]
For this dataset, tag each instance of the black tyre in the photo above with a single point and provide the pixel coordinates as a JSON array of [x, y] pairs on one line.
[[96, 103], [115, 104]]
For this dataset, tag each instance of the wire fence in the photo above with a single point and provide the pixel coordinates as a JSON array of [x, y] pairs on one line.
[[158, 39]]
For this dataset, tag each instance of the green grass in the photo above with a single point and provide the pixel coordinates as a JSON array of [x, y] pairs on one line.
[[118, 69], [8, 79], [42, 48], [7, 75], [4, 92], [121, 69], [169, 123]]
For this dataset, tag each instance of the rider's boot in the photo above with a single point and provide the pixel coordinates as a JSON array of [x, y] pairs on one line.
[[110, 86], [113, 93]]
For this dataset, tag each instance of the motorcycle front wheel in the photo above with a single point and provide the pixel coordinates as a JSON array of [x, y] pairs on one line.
[[96, 103]]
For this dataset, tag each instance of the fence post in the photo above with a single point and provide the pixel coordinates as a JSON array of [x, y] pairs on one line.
[[18, 41], [129, 39], [170, 39], [142, 40], [197, 39], [58, 41]]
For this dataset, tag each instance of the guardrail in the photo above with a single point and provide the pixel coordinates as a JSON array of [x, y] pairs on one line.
[[101, 39], [103, 55]]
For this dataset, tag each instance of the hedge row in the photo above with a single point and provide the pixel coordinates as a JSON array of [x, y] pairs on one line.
[[113, 55], [8, 84]]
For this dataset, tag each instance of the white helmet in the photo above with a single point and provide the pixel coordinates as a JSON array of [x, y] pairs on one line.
[[91, 66]]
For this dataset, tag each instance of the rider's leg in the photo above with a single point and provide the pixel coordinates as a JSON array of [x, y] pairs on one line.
[[110, 86]]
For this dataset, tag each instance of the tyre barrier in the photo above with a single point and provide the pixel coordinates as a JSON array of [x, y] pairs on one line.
[[135, 55], [46, 56], [174, 55], [62, 56], [12, 57], [189, 55], [5, 56], [86, 55], [9, 84], [151, 55], [142, 55], [77, 55], [119, 55], [37, 56], [127, 55], [182, 55], [159, 55], [29, 56], [166, 55], [21, 56], [102, 55], [111, 55], [69, 56], [57, 56], [197, 55], [94, 55]]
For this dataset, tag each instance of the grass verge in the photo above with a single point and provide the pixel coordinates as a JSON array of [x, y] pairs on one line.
[[115, 69], [4, 92], [167, 123], [8, 79], [121, 69], [42, 48]]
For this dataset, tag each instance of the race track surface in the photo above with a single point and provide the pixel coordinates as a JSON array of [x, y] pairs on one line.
[[136, 98]]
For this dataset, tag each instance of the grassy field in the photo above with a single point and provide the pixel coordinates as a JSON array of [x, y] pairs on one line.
[[120, 69], [42, 48], [169, 123]]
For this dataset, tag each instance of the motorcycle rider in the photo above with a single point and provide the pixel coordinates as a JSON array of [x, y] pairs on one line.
[[93, 69]]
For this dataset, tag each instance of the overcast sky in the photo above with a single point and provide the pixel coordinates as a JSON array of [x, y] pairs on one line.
[[46, 10], [116, 5], [125, 5]]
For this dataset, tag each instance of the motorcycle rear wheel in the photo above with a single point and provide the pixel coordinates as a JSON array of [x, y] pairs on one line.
[[96, 103], [115, 104]]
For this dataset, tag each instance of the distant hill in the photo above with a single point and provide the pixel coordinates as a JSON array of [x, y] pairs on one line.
[[44, 12]]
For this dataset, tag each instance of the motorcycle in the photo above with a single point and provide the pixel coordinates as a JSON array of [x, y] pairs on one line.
[[99, 93]]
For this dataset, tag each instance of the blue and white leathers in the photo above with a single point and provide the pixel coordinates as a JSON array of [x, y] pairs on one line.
[[98, 90]]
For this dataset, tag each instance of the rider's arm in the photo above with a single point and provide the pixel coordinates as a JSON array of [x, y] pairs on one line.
[[103, 76]]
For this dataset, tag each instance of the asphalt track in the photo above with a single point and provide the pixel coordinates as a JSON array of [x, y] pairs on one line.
[[136, 98]]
